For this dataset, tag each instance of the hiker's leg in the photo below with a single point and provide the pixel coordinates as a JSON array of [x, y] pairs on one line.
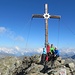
[[52, 60]]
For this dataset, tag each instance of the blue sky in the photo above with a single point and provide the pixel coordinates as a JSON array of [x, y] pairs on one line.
[[17, 28]]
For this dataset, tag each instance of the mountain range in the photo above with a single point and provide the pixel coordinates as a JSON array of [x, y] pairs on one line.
[[16, 51], [73, 57]]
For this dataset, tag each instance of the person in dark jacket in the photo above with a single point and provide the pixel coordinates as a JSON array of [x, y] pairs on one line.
[[55, 56]]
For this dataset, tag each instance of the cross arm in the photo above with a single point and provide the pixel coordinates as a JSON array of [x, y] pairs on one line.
[[55, 16], [37, 16]]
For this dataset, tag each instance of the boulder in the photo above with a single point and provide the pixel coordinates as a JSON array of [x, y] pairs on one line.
[[36, 59], [62, 62], [26, 62], [8, 65], [34, 68], [59, 59], [36, 74], [71, 65]]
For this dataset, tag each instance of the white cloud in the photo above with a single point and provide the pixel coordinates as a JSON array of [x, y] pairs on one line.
[[11, 34], [3, 29], [17, 48], [10, 50], [67, 50], [7, 50], [39, 50], [19, 38], [14, 50]]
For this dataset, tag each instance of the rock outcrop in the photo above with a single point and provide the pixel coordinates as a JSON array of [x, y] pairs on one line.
[[32, 66], [8, 65]]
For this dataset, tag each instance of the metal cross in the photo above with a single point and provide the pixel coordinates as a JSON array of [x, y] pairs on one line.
[[46, 16]]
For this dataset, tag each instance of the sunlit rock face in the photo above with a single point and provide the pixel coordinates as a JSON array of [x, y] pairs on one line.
[[31, 65]]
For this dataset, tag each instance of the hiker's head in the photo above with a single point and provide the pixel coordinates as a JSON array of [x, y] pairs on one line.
[[43, 49], [55, 48], [48, 44], [51, 45]]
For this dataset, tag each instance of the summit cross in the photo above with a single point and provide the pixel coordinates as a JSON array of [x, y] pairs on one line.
[[46, 16]]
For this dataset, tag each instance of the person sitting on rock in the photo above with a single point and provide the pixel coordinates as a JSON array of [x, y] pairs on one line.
[[56, 52], [52, 52], [52, 49], [48, 48], [43, 59], [48, 52]]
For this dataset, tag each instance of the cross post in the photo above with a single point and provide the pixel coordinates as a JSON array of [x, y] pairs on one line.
[[46, 16]]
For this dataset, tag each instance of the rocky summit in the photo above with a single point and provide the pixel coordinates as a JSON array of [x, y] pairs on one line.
[[33, 66]]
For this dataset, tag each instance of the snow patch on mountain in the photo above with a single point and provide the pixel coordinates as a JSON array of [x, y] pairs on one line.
[[19, 51], [66, 52], [9, 50]]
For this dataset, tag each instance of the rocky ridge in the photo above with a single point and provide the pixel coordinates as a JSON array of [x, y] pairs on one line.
[[32, 66]]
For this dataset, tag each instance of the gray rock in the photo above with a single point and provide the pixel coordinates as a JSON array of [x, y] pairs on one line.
[[62, 62], [59, 59], [8, 65], [36, 58], [36, 74], [71, 65], [34, 68]]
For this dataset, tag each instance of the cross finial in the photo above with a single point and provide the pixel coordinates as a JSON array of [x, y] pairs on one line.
[[46, 14]]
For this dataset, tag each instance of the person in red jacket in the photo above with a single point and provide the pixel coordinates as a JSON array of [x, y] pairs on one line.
[[48, 52], [48, 48]]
